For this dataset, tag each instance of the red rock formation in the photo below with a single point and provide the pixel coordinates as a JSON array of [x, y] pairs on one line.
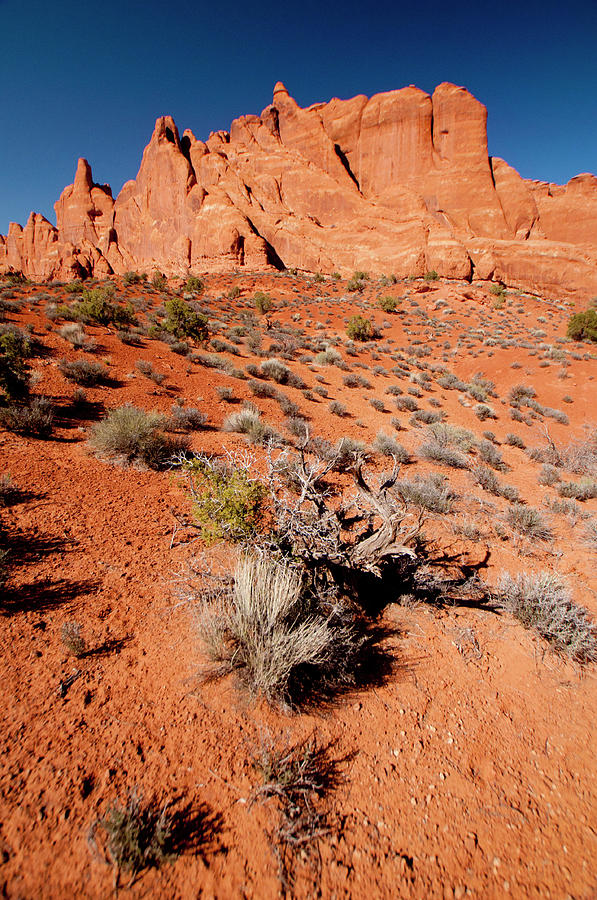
[[401, 183]]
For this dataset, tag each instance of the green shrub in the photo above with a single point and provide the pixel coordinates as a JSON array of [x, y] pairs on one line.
[[97, 305], [498, 290], [359, 329], [194, 285], [15, 349], [431, 276], [133, 278], [182, 321], [159, 281], [134, 435], [356, 284], [388, 304], [263, 302], [583, 326], [228, 504]]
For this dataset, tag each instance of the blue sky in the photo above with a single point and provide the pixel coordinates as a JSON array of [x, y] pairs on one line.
[[89, 79]]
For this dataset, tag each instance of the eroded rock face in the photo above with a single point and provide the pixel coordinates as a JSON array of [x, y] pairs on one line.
[[399, 183]]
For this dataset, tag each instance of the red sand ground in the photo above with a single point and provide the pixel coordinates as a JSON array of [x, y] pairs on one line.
[[472, 772]]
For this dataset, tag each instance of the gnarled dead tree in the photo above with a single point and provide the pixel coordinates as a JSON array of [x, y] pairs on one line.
[[368, 538]]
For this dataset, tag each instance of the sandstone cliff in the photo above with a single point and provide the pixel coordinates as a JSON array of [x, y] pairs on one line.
[[399, 183]]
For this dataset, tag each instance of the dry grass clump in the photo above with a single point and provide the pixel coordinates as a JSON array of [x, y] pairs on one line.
[[278, 643], [135, 836], [72, 638], [528, 522], [542, 602], [130, 434], [185, 418], [432, 493], [248, 421], [389, 446], [33, 418], [299, 779], [590, 535], [489, 481], [585, 489], [443, 453], [74, 333], [84, 371]]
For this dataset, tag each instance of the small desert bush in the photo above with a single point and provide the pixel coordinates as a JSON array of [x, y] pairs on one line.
[[228, 504], [359, 329], [585, 489], [528, 522], [406, 404], [431, 276], [388, 304], [84, 371], [452, 435], [389, 446], [328, 357], [33, 418], [543, 603], [490, 455], [184, 322], [483, 411], [74, 333], [521, 392], [590, 535], [426, 417], [261, 389], [137, 836], [133, 435], [337, 409], [133, 278], [273, 639], [356, 284], [97, 305], [275, 370], [442, 453], [159, 281], [146, 368], [432, 493], [489, 481], [185, 419], [72, 639], [248, 421]]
